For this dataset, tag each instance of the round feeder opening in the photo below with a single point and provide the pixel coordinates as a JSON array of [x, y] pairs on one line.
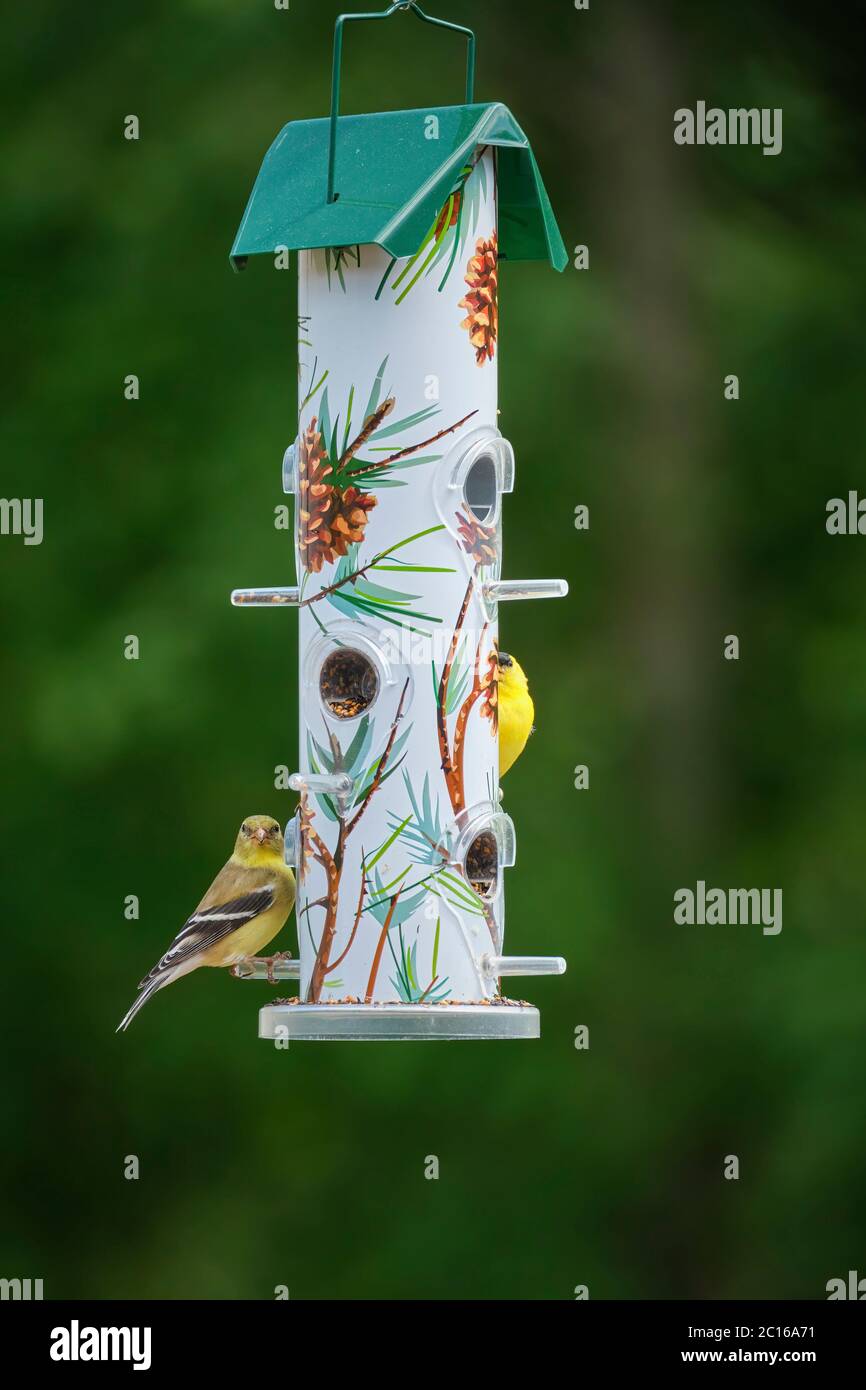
[[482, 864], [479, 488], [348, 683]]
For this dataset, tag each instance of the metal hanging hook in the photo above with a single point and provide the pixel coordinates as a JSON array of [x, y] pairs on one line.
[[399, 7]]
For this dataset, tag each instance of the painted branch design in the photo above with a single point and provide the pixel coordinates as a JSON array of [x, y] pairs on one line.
[[360, 469], [383, 762], [333, 864], [332, 511], [380, 946], [479, 685], [336, 497], [364, 569], [371, 424], [479, 542], [448, 224], [359, 912], [455, 791]]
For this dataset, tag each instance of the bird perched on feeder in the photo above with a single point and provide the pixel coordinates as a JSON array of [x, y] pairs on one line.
[[515, 711], [244, 908]]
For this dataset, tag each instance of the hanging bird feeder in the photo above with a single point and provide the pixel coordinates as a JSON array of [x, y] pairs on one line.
[[400, 220]]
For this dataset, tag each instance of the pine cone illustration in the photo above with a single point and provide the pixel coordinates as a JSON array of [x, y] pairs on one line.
[[490, 691], [480, 301], [330, 519], [477, 540], [443, 221], [315, 495], [349, 517]]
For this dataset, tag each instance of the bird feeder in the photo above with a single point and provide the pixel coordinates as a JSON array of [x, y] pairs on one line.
[[400, 221]]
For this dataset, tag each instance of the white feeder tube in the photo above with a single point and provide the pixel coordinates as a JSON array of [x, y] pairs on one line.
[[265, 598], [523, 965], [504, 589]]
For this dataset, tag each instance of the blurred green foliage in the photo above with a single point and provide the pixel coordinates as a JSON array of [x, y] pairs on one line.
[[558, 1167]]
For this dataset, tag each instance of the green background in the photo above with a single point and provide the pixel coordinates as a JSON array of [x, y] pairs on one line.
[[558, 1167]]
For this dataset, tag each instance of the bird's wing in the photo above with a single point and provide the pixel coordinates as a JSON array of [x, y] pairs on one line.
[[209, 925]]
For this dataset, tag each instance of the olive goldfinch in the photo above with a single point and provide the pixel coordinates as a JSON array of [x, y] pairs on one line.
[[515, 711], [244, 908]]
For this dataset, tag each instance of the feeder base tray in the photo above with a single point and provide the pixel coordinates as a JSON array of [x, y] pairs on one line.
[[397, 1022]]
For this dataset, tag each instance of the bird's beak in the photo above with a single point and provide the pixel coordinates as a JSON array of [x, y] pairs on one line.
[[503, 656], [261, 834]]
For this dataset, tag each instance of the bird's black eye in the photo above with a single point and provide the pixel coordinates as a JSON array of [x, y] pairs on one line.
[[245, 829]]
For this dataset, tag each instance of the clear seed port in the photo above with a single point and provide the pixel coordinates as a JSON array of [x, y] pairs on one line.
[[482, 864], [479, 488], [348, 683]]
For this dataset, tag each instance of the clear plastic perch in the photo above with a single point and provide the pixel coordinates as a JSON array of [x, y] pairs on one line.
[[502, 590], [285, 597], [522, 965], [255, 968], [336, 784]]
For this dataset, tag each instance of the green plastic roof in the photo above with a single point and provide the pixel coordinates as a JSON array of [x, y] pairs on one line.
[[391, 181]]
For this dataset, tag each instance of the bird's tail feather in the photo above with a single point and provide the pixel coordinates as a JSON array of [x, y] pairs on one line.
[[156, 983]]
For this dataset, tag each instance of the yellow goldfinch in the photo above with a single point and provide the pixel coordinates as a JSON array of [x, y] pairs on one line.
[[515, 711], [244, 908]]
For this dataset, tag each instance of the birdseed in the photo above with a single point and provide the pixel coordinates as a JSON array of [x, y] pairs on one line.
[[348, 683], [482, 863], [499, 1001]]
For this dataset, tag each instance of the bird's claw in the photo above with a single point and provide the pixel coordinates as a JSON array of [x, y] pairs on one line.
[[240, 970], [272, 961]]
